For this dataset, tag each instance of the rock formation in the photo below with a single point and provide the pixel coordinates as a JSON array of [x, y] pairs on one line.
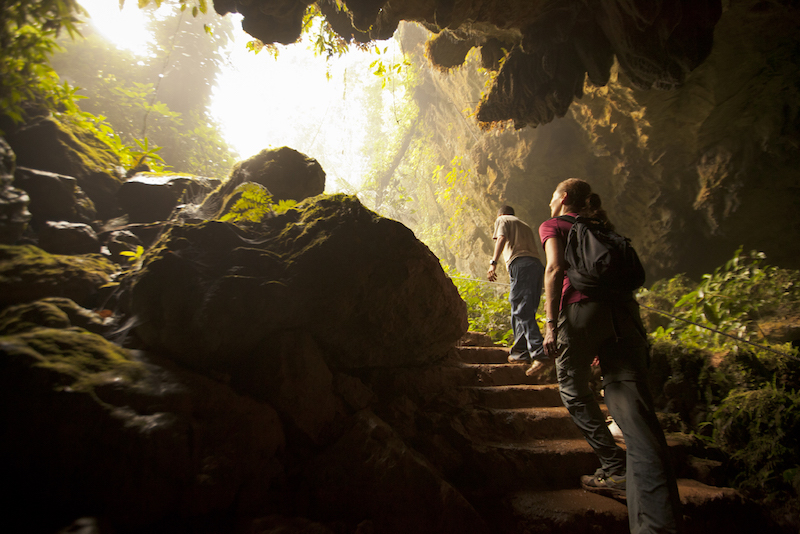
[[684, 173], [554, 45]]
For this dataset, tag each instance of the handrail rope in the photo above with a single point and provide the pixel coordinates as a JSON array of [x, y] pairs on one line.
[[479, 280], [735, 338]]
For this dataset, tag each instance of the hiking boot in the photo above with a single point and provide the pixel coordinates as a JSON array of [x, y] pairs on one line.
[[539, 366], [610, 486], [523, 357]]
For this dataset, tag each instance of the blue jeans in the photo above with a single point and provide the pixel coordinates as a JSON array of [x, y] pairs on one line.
[[614, 333], [527, 276]]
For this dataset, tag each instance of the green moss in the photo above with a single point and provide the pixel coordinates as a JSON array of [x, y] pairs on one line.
[[28, 273], [79, 359], [89, 151], [50, 312]]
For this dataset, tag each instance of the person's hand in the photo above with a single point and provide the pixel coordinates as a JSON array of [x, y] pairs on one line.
[[551, 340], [492, 273]]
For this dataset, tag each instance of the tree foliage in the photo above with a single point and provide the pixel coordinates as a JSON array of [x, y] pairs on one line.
[[723, 364], [162, 96], [28, 83]]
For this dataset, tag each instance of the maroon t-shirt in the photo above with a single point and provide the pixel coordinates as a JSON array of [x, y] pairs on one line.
[[558, 228]]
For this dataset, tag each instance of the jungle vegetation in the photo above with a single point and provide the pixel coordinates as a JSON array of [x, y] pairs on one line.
[[53, 61]]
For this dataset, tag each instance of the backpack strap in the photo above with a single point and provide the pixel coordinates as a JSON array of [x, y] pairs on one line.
[[567, 218]]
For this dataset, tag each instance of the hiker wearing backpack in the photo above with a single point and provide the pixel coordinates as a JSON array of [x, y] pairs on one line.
[[591, 312], [517, 243]]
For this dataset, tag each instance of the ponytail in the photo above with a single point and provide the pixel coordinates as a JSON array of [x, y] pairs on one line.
[[583, 200]]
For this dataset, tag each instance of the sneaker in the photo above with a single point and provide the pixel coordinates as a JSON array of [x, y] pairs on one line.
[[539, 366], [523, 357], [610, 486]]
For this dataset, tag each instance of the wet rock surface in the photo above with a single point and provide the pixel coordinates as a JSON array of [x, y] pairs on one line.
[[14, 214], [148, 197], [54, 197]]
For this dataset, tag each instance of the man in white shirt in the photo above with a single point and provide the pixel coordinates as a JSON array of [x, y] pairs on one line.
[[517, 243]]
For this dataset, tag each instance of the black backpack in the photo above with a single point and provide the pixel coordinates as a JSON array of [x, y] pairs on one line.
[[601, 263]]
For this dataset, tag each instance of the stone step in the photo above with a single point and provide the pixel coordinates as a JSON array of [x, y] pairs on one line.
[[542, 464], [483, 354], [576, 511], [500, 466], [517, 425], [515, 396], [493, 374]]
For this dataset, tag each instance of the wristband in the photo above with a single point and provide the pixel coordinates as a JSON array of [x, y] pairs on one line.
[[492, 262]]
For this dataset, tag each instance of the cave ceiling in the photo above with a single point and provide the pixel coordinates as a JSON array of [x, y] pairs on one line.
[[543, 49]]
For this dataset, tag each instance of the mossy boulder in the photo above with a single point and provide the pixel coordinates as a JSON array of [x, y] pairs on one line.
[[367, 291], [51, 312], [89, 427], [28, 273], [286, 173], [48, 144]]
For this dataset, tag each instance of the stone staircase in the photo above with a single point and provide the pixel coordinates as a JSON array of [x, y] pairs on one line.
[[526, 458]]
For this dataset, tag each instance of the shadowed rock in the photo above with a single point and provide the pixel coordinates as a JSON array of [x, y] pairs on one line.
[[47, 144], [98, 429], [148, 197], [285, 173], [371, 473], [61, 237], [14, 215], [54, 197], [362, 286]]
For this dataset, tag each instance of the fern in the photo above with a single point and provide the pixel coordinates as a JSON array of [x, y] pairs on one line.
[[254, 204]]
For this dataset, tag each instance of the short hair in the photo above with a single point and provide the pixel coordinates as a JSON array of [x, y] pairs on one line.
[[505, 210]]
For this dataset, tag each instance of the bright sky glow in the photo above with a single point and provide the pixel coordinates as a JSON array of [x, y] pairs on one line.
[[298, 100], [125, 28]]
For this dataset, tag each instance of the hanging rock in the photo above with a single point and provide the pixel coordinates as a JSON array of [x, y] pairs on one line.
[[148, 197], [557, 43], [61, 237], [14, 215]]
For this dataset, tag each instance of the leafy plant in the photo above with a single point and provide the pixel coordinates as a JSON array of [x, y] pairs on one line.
[[759, 430], [728, 303], [487, 307], [133, 256], [251, 202]]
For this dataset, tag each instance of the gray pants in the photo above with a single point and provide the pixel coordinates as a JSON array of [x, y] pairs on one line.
[[613, 332]]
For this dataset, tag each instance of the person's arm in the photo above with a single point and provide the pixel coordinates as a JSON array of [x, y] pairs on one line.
[[553, 280], [499, 244]]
